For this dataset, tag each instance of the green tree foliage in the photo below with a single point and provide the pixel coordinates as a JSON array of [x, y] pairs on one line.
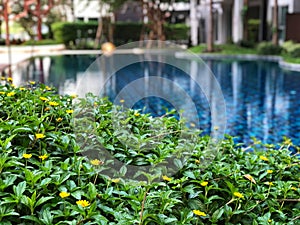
[[28, 20]]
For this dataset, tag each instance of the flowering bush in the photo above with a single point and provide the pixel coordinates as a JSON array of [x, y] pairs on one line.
[[45, 179]]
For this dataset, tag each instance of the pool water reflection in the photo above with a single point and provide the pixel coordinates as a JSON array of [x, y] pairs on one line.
[[262, 100]]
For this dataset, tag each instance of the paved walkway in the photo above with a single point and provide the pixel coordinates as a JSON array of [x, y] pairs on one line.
[[21, 53]]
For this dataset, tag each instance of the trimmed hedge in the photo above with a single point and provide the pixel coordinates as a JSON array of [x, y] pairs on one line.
[[41, 42], [267, 48], [124, 32], [67, 33]]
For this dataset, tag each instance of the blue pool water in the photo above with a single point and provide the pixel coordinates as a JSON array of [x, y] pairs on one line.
[[262, 100]]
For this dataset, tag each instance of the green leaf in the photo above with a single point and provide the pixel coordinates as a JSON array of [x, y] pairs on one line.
[[45, 181], [19, 189], [92, 191], [178, 163], [189, 174], [77, 194], [42, 200], [217, 215], [170, 220], [32, 218], [47, 218], [22, 129]]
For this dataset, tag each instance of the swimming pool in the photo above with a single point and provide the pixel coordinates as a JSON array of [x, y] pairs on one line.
[[262, 100]]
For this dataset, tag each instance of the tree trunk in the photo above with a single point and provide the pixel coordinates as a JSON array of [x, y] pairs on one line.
[[99, 28], [39, 21], [110, 30], [98, 33], [245, 19], [275, 23], [210, 38], [156, 21]]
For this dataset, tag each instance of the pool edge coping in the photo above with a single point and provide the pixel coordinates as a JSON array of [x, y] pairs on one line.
[[251, 57]]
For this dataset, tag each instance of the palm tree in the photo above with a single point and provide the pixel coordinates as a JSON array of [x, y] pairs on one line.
[[210, 38], [275, 23]]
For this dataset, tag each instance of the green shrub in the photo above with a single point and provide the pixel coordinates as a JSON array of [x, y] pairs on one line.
[[177, 32], [289, 46], [253, 30], [246, 44], [41, 42], [295, 52], [267, 48], [68, 33], [46, 179], [125, 32]]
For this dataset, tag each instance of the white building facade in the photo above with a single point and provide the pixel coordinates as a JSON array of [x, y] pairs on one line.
[[228, 18]]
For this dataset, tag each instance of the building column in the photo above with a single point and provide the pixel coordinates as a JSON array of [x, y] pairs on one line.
[[237, 21], [194, 22]]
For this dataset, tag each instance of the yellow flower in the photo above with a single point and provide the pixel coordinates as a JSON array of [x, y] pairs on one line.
[[294, 188], [204, 183], [96, 162], [47, 109], [122, 101], [269, 171], [11, 94], [59, 119], [48, 88], [22, 89], [38, 136], [136, 114], [73, 96], [70, 111], [269, 183], [117, 180], [83, 203], [263, 158], [2, 78], [9, 79], [199, 213], [166, 178], [44, 98], [53, 103], [64, 194], [269, 220], [43, 157], [27, 156], [2, 92], [32, 82], [249, 177], [287, 141], [13, 85], [197, 161], [238, 194]]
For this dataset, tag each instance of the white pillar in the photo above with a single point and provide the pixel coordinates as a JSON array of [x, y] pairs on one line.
[[237, 22], [194, 22]]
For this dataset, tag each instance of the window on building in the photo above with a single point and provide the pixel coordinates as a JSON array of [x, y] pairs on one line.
[[282, 11]]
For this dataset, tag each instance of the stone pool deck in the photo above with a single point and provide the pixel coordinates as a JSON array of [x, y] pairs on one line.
[[21, 53]]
